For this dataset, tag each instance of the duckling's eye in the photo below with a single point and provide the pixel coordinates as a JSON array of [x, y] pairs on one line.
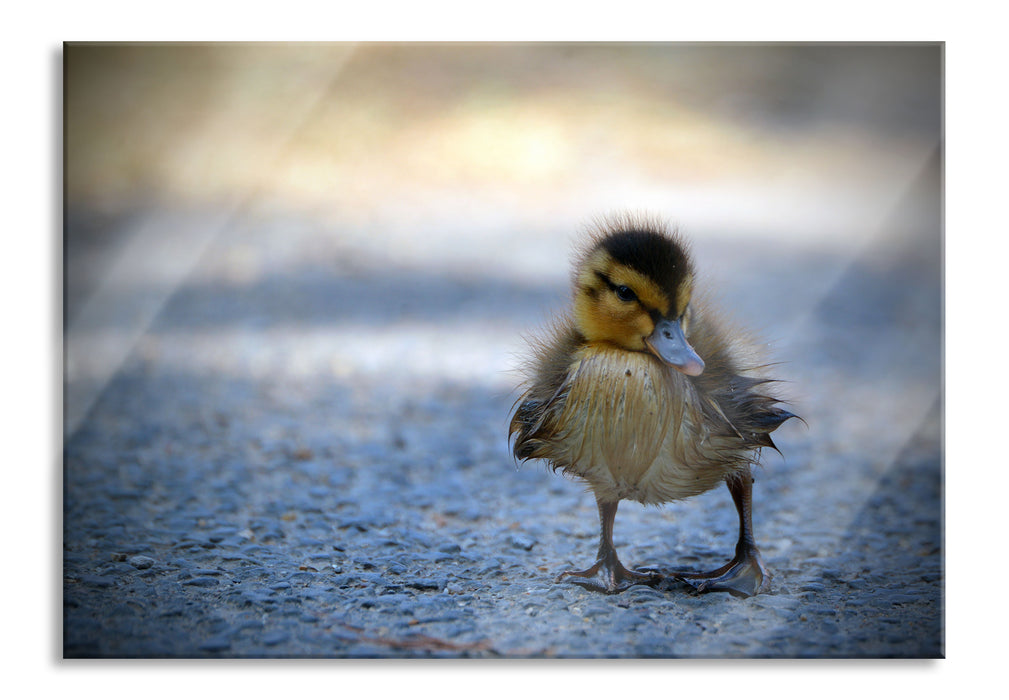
[[625, 293]]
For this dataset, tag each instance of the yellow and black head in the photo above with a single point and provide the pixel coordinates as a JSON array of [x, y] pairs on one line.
[[633, 288]]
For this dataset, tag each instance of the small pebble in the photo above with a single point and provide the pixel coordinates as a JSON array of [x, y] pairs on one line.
[[215, 644], [523, 542], [202, 582], [276, 637]]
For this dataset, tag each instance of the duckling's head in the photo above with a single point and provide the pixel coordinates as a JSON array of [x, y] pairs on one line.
[[632, 289]]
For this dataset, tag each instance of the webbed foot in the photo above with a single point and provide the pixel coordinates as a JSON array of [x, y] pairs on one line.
[[744, 576], [608, 575]]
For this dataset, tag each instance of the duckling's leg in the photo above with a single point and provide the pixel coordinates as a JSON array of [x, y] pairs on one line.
[[608, 575], [745, 574]]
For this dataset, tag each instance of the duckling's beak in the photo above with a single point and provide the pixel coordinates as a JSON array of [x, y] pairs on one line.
[[668, 343]]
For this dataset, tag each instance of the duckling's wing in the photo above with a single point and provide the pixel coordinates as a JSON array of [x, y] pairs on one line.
[[535, 421], [537, 417], [752, 413]]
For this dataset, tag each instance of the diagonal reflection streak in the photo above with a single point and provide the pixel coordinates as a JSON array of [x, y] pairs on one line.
[[876, 393], [160, 251]]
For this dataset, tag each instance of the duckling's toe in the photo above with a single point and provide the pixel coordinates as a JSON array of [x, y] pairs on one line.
[[743, 577], [609, 577]]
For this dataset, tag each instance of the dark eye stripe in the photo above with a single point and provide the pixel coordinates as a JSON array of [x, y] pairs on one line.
[[623, 292]]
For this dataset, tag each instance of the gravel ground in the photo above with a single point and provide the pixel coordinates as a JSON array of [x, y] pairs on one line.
[[288, 467]]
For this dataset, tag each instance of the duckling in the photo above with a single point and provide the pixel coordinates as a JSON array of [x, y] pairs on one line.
[[640, 392]]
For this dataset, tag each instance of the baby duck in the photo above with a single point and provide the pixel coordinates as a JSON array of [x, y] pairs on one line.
[[642, 395]]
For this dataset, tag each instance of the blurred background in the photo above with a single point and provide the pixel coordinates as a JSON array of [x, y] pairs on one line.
[[451, 180]]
